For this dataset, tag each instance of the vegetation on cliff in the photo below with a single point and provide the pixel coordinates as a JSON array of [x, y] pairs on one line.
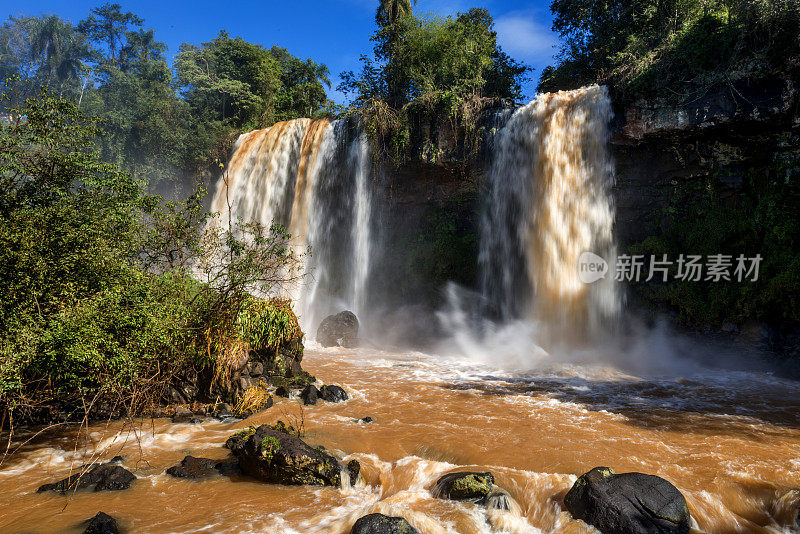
[[423, 67], [675, 49], [106, 292], [760, 217]]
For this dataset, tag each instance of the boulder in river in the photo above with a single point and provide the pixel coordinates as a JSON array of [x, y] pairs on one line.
[[628, 503], [280, 458], [309, 395], [340, 329], [102, 523], [353, 470], [464, 486], [382, 524], [499, 500], [191, 467], [333, 394], [101, 477]]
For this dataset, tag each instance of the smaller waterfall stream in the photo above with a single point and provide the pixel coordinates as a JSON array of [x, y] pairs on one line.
[[313, 178]]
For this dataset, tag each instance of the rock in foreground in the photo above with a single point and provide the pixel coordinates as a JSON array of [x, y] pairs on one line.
[[333, 394], [340, 329], [309, 395], [628, 503], [280, 458], [102, 524], [191, 467], [101, 477], [382, 524], [464, 486]]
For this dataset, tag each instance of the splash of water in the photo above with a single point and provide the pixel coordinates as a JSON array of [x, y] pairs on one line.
[[548, 201], [311, 177]]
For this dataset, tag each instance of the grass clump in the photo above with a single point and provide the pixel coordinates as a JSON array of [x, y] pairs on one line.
[[254, 399]]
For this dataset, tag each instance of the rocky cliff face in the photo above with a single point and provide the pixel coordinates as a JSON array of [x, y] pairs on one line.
[[661, 150]]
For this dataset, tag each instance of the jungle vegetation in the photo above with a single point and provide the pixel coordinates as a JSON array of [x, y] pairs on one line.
[[672, 49]]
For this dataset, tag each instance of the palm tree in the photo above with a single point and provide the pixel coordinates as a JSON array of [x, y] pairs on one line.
[[61, 51], [48, 43], [391, 11]]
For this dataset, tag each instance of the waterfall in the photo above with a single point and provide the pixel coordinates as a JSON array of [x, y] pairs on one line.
[[313, 178], [547, 201]]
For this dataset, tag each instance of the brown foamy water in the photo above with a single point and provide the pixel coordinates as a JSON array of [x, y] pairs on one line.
[[729, 441]]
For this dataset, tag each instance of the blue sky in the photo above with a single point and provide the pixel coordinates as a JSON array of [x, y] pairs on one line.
[[334, 32]]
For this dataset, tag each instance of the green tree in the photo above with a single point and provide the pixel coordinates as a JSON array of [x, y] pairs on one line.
[[109, 24], [228, 81], [673, 48], [302, 86], [392, 11]]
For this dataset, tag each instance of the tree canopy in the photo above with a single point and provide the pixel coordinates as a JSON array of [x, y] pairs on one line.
[[672, 48]]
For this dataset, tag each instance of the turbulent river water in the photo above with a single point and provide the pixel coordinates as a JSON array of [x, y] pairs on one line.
[[487, 397], [730, 441]]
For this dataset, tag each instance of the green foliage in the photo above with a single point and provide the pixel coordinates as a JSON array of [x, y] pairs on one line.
[[97, 294], [269, 446], [432, 66], [762, 219], [159, 124], [675, 49], [269, 325], [444, 250]]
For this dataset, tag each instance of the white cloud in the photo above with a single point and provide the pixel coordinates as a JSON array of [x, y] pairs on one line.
[[522, 37]]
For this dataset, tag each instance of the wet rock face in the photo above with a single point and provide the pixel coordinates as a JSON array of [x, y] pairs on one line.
[[628, 503], [464, 486], [102, 524], [101, 477], [338, 330], [279, 458], [382, 524], [309, 395], [191, 467], [353, 470], [333, 394]]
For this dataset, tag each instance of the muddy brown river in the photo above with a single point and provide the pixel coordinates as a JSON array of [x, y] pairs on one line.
[[730, 441]]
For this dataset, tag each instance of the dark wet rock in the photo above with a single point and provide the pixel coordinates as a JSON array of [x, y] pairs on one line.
[[464, 485], [191, 467], [101, 477], [280, 458], [382, 524], [340, 329], [333, 394], [102, 524], [628, 503], [229, 468], [255, 369], [497, 500], [353, 469], [283, 391], [224, 416], [185, 415], [309, 395], [186, 419]]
